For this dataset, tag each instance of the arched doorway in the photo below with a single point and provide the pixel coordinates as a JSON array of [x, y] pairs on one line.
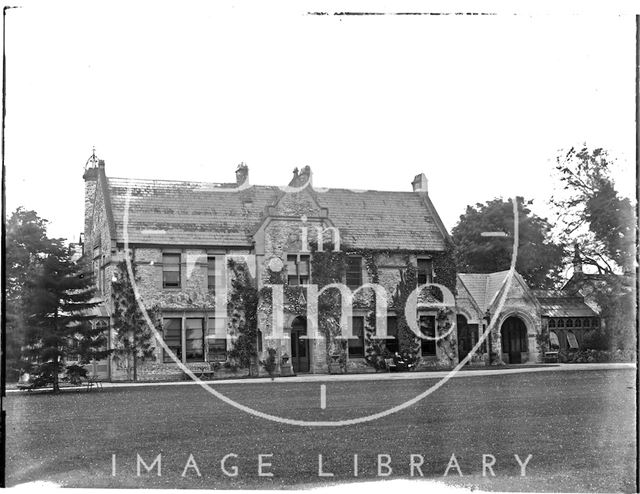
[[299, 346], [467, 336], [514, 339]]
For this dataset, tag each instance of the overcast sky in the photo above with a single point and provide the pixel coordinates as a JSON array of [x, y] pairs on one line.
[[480, 104]]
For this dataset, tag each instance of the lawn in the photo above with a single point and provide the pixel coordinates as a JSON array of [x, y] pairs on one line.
[[579, 428]]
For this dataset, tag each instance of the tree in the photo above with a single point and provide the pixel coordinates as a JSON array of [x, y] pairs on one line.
[[60, 298], [539, 258], [26, 246], [602, 224], [592, 214], [132, 333]]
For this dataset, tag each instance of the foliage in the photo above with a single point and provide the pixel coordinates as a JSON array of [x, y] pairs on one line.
[[75, 373], [616, 296], [592, 213], [60, 298], [596, 339], [444, 268], [539, 258], [329, 267], [269, 363], [133, 337], [408, 343], [242, 308], [603, 224], [592, 356], [27, 245]]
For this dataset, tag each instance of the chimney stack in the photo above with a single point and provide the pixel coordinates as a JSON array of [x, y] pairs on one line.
[[577, 261], [300, 177], [420, 183], [242, 173], [91, 178]]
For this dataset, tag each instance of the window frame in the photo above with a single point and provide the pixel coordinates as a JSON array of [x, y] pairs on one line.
[[298, 260], [165, 271], [186, 330], [211, 273], [166, 358], [395, 344], [213, 336], [426, 274], [350, 271], [360, 339]]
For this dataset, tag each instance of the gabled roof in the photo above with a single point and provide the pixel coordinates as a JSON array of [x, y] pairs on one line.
[[198, 213], [483, 287], [556, 303]]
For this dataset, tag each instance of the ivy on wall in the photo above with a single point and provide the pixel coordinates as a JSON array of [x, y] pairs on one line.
[[242, 312], [329, 267]]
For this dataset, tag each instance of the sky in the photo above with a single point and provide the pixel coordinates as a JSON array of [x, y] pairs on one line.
[[481, 104]]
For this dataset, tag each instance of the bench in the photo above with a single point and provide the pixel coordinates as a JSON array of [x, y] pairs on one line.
[[200, 372], [550, 357], [93, 382], [389, 363]]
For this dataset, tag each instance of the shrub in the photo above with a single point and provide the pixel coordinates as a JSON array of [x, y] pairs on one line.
[[75, 373], [269, 363]]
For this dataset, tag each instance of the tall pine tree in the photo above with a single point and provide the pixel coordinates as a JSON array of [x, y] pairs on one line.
[[59, 322], [27, 245], [132, 333]]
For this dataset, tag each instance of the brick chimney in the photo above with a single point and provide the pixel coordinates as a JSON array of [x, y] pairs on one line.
[[420, 183], [242, 173]]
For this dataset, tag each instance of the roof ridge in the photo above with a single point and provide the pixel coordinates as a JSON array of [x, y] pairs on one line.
[[318, 190]]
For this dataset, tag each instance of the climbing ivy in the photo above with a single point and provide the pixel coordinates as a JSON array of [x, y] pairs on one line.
[[242, 312]]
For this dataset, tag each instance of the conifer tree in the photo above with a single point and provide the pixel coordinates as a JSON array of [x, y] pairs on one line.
[[60, 298], [26, 246]]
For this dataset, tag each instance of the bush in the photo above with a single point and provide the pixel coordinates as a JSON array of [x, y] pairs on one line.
[[596, 339], [269, 363], [593, 356], [75, 373]]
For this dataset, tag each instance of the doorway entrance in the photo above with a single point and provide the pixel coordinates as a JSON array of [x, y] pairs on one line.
[[299, 346], [467, 336], [514, 339]]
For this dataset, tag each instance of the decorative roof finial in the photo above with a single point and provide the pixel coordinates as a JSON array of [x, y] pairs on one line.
[[92, 162]]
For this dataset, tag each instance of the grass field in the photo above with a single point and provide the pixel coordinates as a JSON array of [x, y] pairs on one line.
[[579, 428]]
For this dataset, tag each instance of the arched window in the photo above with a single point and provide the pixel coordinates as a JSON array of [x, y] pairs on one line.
[[569, 323], [586, 322], [577, 323], [561, 323], [552, 323]]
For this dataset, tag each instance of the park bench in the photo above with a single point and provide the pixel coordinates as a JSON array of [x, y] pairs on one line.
[[389, 363], [201, 372], [550, 357]]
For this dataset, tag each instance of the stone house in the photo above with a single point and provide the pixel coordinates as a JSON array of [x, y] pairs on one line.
[[181, 235]]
